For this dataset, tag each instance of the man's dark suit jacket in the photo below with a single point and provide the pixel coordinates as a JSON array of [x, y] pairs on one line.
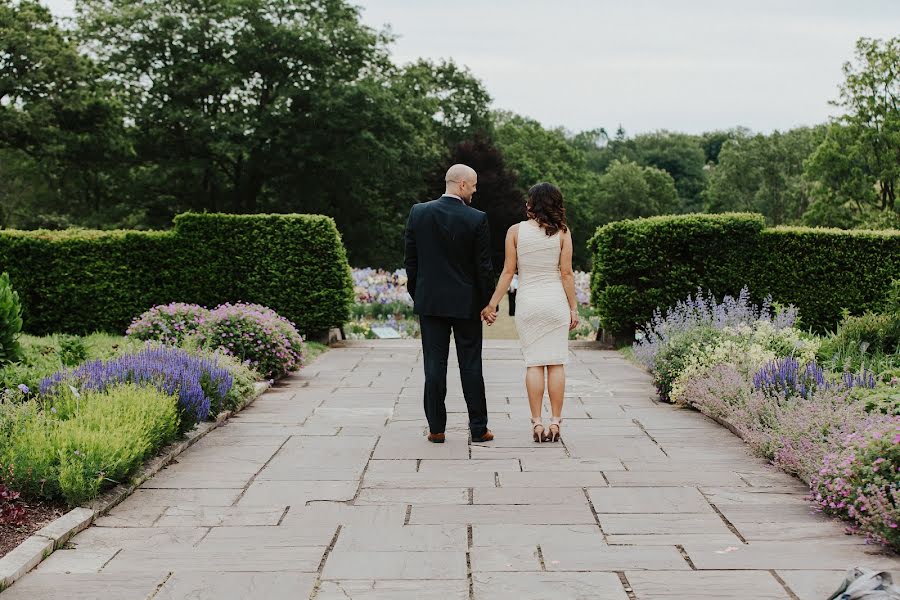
[[448, 259]]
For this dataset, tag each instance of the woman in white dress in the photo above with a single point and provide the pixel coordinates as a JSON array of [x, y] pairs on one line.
[[540, 249]]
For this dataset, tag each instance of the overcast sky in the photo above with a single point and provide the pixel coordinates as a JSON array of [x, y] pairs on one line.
[[686, 65]]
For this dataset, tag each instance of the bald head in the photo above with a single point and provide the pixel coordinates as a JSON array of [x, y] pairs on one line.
[[461, 181]]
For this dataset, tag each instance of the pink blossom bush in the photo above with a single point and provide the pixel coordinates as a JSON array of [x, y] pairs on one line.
[[796, 432], [256, 335], [861, 480], [719, 394], [168, 323]]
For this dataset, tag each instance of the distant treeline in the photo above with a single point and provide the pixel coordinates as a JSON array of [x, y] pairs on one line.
[[140, 111]]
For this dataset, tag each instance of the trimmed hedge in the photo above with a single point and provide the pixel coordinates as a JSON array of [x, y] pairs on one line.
[[643, 264], [293, 264], [79, 281]]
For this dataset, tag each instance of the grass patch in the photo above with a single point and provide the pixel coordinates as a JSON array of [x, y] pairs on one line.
[[313, 350]]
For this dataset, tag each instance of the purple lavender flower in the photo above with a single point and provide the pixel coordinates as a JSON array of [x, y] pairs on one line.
[[786, 377], [24, 388], [703, 311], [197, 382]]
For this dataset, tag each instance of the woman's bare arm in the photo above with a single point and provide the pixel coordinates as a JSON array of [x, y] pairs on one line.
[[509, 269], [568, 278]]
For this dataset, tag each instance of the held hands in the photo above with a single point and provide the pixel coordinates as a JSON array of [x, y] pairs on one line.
[[573, 319], [489, 314]]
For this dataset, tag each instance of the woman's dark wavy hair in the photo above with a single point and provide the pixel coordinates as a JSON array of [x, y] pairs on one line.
[[545, 205]]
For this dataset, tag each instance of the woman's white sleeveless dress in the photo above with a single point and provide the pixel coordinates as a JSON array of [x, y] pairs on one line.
[[542, 309]]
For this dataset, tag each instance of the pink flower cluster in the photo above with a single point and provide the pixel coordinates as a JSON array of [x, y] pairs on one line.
[[255, 334], [168, 323], [860, 480]]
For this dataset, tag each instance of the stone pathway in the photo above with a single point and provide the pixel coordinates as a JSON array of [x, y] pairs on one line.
[[325, 488]]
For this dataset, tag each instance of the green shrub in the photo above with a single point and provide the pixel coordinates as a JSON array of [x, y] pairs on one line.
[[870, 341], [10, 322], [882, 398], [104, 346], [79, 282], [74, 446], [825, 271], [892, 299], [673, 358], [72, 350], [643, 264]]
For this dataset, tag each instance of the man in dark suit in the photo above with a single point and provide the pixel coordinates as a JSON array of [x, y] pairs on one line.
[[450, 278]]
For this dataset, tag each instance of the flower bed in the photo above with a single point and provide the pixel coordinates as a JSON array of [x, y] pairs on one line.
[[255, 335], [78, 415], [197, 382], [752, 367]]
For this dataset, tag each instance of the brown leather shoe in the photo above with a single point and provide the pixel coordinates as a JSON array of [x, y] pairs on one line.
[[436, 438], [485, 437]]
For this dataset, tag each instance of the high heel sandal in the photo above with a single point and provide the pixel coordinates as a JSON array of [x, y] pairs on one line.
[[553, 435], [538, 436]]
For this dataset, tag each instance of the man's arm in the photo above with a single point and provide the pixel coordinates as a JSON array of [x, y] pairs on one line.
[[485, 265], [411, 257]]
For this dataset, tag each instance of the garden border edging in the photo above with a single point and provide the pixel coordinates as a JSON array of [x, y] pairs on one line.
[[727, 425], [34, 549]]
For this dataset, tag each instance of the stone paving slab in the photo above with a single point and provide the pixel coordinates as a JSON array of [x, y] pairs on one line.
[[382, 589], [299, 559], [326, 489], [84, 586], [572, 586], [731, 585], [399, 564], [413, 496], [812, 585], [216, 585]]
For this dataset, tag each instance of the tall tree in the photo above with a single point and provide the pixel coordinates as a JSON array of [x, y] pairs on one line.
[[628, 191], [60, 130], [764, 174], [857, 166], [454, 96], [681, 156], [278, 105], [712, 141]]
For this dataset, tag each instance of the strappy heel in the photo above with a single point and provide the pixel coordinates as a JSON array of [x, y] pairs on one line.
[[538, 436], [553, 434]]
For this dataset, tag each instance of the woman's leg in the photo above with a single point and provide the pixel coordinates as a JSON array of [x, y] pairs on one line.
[[556, 386], [534, 383]]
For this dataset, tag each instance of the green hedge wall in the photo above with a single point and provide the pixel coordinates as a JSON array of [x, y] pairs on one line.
[[78, 281], [294, 264], [643, 264]]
